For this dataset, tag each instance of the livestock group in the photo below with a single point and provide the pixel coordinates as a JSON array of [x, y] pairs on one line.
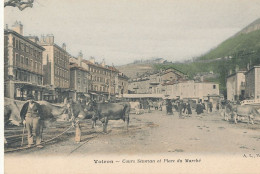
[[33, 114]]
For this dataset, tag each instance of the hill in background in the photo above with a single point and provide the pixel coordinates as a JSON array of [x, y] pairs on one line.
[[236, 52]]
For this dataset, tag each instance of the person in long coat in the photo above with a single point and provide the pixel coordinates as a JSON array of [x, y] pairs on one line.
[[189, 109], [199, 108], [169, 107], [180, 108]]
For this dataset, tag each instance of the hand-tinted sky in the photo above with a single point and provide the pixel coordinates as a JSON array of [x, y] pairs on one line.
[[121, 31]]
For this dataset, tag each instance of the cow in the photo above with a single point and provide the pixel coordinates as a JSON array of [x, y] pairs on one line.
[[245, 111], [111, 111], [240, 111], [13, 107]]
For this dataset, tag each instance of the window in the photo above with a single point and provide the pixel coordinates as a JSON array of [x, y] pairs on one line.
[[17, 60], [40, 67], [21, 59], [27, 61], [214, 86], [22, 46], [26, 48], [17, 44]]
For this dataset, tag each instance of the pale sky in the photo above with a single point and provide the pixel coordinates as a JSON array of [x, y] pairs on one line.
[[121, 31]]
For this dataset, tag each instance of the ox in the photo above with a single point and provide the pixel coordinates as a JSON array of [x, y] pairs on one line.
[[240, 111], [111, 111], [13, 108], [245, 111]]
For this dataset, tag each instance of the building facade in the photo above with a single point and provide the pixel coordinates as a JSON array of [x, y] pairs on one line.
[[172, 75], [121, 82], [23, 64], [79, 80], [191, 89], [252, 83], [56, 69], [236, 86], [154, 83], [102, 77]]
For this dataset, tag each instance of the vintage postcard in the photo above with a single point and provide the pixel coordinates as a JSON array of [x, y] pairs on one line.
[[130, 86]]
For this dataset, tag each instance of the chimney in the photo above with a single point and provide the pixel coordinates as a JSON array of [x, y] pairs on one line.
[[103, 63], [42, 39], [49, 39], [33, 38], [230, 71], [64, 46], [92, 60], [80, 57], [18, 27]]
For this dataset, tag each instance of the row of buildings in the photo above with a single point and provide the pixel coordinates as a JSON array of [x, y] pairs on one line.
[[173, 83], [244, 84], [46, 70]]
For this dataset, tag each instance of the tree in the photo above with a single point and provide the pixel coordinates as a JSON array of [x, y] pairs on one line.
[[19, 3]]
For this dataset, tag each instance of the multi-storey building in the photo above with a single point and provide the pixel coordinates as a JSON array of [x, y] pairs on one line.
[[23, 64], [191, 89], [140, 86], [153, 84], [102, 78], [236, 86], [252, 84], [171, 74], [56, 68], [104, 81], [79, 77], [121, 82]]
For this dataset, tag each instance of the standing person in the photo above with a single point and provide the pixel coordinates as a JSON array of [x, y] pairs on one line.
[[180, 107], [189, 109], [210, 106], [169, 107], [199, 108], [32, 116], [184, 107]]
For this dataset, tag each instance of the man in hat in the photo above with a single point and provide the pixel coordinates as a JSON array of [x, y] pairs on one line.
[[32, 116]]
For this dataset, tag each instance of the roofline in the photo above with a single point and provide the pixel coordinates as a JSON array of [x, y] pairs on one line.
[[176, 70], [257, 66], [79, 68], [98, 65], [236, 73], [192, 82], [24, 37]]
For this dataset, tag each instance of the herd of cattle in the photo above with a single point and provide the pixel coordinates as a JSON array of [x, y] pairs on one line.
[[112, 111]]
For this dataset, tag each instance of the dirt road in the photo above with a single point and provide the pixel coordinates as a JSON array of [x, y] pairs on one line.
[[156, 132]]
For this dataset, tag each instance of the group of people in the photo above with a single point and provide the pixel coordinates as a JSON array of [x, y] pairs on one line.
[[180, 106], [184, 108]]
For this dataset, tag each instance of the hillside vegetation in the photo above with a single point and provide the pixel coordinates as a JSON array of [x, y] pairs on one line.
[[244, 43], [238, 51]]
